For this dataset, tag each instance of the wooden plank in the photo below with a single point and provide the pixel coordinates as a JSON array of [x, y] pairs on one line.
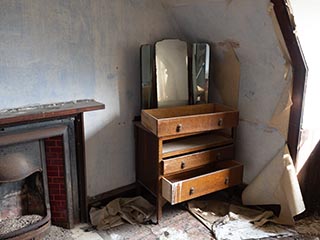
[[47, 111], [147, 167], [81, 167], [194, 143]]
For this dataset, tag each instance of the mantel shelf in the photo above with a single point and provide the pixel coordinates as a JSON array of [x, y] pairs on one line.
[[47, 111]]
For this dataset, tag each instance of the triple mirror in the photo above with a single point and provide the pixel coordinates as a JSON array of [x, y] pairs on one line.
[[174, 73]]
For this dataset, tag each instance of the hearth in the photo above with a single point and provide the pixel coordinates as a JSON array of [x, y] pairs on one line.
[[24, 204], [42, 167]]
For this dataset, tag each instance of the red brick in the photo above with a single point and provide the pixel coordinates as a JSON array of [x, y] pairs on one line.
[[52, 168], [53, 186], [55, 191], [57, 180], [59, 220], [55, 162], [59, 197], [62, 189], [50, 143], [60, 172], [50, 155], [55, 149]]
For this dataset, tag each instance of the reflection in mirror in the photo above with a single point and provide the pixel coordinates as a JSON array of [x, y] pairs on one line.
[[172, 73], [200, 72], [146, 76]]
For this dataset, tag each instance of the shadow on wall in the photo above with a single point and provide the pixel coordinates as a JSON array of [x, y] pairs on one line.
[[113, 164], [110, 148]]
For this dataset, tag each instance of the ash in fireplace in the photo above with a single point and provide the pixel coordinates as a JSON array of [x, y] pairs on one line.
[[13, 224], [57, 233]]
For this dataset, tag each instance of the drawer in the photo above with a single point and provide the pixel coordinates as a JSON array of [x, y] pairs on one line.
[[188, 119], [194, 160], [199, 142], [192, 184]]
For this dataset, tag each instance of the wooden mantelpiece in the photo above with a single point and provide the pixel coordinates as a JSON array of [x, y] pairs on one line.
[[47, 111], [39, 117]]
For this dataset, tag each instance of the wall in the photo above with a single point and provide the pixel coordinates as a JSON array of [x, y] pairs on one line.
[[72, 49], [248, 25], [62, 50]]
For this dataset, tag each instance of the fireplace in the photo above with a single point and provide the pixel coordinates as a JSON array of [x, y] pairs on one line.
[[43, 167]]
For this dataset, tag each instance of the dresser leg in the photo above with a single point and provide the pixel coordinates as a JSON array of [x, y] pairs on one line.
[[159, 209], [160, 203]]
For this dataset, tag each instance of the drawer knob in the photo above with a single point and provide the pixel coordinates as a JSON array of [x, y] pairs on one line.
[[226, 181], [183, 165], [191, 191], [218, 157], [220, 122], [179, 127]]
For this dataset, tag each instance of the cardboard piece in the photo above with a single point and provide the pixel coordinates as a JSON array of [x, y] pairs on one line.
[[121, 210], [277, 184]]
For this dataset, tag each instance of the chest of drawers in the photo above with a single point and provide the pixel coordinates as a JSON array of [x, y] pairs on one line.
[[186, 152]]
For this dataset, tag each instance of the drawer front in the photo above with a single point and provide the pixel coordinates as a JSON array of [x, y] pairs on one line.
[[200, 123], [188, 188], [190, 161]]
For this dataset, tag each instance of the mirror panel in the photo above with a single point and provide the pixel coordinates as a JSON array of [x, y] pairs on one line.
[[200, 72], [172, 73], [147, 85]]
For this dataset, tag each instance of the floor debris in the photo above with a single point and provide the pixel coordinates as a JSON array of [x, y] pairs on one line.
[[233, 222], [122, 210]]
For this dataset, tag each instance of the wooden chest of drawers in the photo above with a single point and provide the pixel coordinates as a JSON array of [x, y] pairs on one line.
[[186, 152]]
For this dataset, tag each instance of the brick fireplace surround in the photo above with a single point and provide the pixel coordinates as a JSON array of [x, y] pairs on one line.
[[59, 129], [54, 153]]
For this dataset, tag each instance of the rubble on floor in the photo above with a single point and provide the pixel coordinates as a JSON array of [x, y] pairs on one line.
[[235, 222], [228, 220]]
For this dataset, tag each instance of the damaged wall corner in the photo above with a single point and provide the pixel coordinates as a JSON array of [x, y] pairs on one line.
[[277, 184], [281, 115]]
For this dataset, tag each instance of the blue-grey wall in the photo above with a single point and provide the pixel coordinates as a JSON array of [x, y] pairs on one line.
[[62, 50]]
